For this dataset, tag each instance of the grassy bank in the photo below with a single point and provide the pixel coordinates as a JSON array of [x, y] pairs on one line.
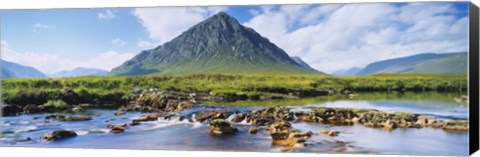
[[116, 89]]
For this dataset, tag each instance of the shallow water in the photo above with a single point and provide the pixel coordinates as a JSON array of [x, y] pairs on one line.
[[187, 134]]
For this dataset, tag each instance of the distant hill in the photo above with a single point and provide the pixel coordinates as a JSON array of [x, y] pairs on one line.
[[14, 70], [451, 63], [218, 44], [80, 72], [347, 72], [300, 62]]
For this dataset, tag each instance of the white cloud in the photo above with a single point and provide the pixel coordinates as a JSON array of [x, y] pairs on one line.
[[118, 41], [333, 37], [106, 15], [51, 63], [163, 24], [43, 26]]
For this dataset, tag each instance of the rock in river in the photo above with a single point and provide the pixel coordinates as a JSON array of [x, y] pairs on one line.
[[59, 135], [117, 128], [456, 126], [221, 126], [329, 132]]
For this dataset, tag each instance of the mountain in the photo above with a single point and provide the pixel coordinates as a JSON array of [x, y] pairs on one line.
[[432, 63], [80, 72], [347, 72], [218, 44], [300, 62], [14, 70]]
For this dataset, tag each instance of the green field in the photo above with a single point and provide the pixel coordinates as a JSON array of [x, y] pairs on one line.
[[117, 89]]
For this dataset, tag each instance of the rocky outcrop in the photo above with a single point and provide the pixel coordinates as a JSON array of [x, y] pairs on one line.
[[456, 126], [268, 115], [154, 100], [212, 114], [283, 135], [59, 135], [378, 119]]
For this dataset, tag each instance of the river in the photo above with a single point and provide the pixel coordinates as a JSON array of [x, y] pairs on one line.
[[187, 134]]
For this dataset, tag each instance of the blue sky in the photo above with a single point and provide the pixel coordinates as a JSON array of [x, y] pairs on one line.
[[329, 37]]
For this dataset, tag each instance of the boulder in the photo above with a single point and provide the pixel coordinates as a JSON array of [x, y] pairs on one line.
[[117, 128], [252, 130], [59, 135], [222, 126], [329, 132]]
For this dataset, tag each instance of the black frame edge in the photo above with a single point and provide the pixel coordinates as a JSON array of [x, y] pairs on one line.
[[474, 77]]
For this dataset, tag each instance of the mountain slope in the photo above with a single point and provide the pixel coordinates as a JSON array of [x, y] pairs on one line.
[[300, 62], [218, 44], [80, 72], [423, 63], [347, 72], [14, 70]]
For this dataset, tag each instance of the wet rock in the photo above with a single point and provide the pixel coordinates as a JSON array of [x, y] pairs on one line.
[[119, 113], [337, 116], [222, 126], [268, 115], [117, 128], [279, 126], [239, 117], [147, 117], [212, 114], [153, 100], [11, 110], [31, 109], [329, 132], [283, 135], [174, 106], [252, 130], [456, 126], [389, 125], [59, 135]]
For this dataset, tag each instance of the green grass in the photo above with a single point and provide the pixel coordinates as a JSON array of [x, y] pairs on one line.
[[56, 104], [116, 89]]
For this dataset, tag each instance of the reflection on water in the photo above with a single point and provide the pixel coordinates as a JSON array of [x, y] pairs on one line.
[[187, 134]]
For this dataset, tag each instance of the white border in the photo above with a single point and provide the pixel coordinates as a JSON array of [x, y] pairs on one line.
[[66, 152]]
